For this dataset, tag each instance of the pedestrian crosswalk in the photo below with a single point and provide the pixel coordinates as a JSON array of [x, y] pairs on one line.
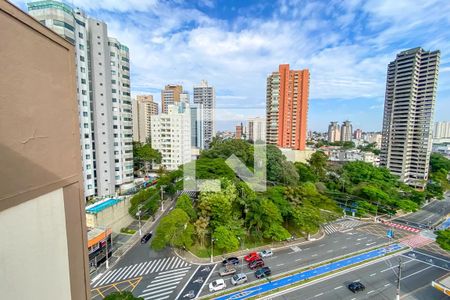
[[164, 284], [140, 269], [416, 241], [340, 226], [401, 226]]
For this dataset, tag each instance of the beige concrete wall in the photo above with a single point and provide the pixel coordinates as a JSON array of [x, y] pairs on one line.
[[33, 252], [297, 155], [114, 217]]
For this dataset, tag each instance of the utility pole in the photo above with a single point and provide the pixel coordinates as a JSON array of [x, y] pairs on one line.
[[162, 197], [139, 216], [212, 248], [399, 277]]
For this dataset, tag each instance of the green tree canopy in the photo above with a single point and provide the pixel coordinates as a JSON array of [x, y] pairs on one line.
[[144, 154], [443, 239], [225, 240], [318, 163], [305, 172], [279, 170], [185, 203], [173, 230], [122, 296]]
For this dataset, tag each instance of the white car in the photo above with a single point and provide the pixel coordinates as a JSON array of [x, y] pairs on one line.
[[217, 285], [266, 253]]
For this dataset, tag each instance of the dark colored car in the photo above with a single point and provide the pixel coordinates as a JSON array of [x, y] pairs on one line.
[[356, 287], [256, 264], [146, 237], [263, 272], [230, 261]]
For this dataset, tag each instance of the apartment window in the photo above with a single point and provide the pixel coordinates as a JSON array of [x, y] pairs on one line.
[[83, 81], [99, 53], [85, 103], [85, 114], [114, 90], [88, 167], [81, 47], [80, 35], [100, 74], [113, 81], [89, 176], [99, 63], [113, 72], [113, 64], [112, 54], [83, 92], [86, 125], [83, 70], [114, 100], [81, 58], [98, 43], [86, 136], [88, 156], [101, 94]]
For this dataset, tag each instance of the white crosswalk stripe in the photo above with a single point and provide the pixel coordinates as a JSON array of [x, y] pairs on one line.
[[161, 266], [164, 284], [341, 225]]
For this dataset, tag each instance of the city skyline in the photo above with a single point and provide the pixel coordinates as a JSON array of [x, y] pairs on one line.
[[227, 43]]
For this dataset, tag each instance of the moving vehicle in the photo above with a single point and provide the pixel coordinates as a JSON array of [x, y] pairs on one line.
[[238, 279], [146, 237], [256, 264], [217, 285], [356, 287], [227, 270], [266, 253], [263, 272], [252, 256], [230, 261]]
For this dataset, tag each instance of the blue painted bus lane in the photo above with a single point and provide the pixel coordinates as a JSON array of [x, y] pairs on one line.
[[283, 282]]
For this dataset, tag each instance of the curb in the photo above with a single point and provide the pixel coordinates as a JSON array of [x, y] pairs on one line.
[[248, 250]]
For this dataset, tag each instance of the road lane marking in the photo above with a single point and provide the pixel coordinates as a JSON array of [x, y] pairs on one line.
[[314, 255], [338, 287], [175, 270], [329, 251], [163, 263], [298, 259], [415, 273], [187, 282], [321, 245], [370, 292], [204, 283], [373, 274], [161, 285], [345, 247], [280, 265], [387, 284], [318, 295]]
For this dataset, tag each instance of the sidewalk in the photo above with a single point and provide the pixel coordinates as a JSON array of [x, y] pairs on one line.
[[193, 259], [135, 238]]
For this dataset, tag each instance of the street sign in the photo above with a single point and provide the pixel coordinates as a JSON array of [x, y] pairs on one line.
[[390, 233]]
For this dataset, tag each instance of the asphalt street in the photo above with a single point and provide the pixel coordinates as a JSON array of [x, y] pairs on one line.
[[331, 246], [429, 215], [380, 282]]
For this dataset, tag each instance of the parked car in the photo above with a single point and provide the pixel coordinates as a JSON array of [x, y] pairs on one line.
[[146, 237], [238, 279], [266, 253], [263, 272], [252, 256], [356, 287], [227, 270], [256, 264], [230, 261], [217, 285]]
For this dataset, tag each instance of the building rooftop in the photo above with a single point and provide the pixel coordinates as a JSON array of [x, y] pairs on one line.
[[101, 205]]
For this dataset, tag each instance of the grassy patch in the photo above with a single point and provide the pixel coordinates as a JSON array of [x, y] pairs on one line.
[[127, 230]]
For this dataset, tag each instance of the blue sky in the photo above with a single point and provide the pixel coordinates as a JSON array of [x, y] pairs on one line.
[[234, 44]]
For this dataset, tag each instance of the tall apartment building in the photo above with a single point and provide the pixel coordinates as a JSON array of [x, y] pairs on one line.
[[144, 109], [408, 114], [287, 107], [44, 250], [171, 135], [357, 134], [257, 129], [170, 95], [104, 104], [197, 126], [441, 130], [238, 134], [205, 95], [346, 131], [334, 132]]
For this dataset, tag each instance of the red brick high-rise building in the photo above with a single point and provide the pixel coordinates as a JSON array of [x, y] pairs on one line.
[[287, 107]]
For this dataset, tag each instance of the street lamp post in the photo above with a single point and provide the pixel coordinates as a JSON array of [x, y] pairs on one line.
[[139, 216], [162, 197], [399, 277], [242, 263], [212, 248]]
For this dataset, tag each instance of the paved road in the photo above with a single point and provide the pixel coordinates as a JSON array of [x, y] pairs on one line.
[[329, 247], [380, 282], [163, 273], [429, 215]]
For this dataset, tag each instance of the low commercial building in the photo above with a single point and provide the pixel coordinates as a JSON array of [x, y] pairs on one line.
[[297, 155], [109, 213], [99, 240]]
